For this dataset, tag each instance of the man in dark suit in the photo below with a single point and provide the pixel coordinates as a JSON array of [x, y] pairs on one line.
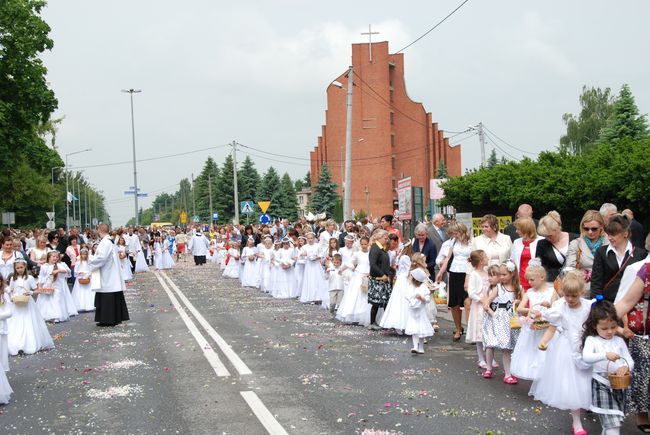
[[437, 231], [524, 210], [638, 233], [348, 225]]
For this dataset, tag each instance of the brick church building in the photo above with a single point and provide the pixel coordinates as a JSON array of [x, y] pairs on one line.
[[392, 136]]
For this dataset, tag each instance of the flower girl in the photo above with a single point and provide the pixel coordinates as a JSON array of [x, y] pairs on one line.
[[27, 330], [83, 295]]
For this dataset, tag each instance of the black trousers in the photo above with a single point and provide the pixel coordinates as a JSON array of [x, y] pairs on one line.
[[199, 259], [132, 260]]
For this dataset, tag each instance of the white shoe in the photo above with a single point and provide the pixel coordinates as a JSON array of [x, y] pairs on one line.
[[414, 351]]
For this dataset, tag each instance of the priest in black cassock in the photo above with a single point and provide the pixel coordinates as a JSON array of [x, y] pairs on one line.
[[110, 305]]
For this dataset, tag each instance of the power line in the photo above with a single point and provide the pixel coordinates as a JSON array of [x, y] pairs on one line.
[[499, 148], [434, 27], [148, 159], [511, 146]]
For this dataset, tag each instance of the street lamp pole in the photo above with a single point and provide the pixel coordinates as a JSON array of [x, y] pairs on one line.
[[67, 188], [135, 170], [53, 202]]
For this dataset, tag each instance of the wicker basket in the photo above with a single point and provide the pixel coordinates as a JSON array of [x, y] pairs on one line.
[[84, 280], [46, 290], [122, 255], [619, 382], [20, 299], [514, 322], [539, 325]]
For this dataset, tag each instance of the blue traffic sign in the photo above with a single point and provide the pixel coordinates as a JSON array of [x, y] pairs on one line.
[[196, 219], [264, 219], [215, 216], [247, 206]]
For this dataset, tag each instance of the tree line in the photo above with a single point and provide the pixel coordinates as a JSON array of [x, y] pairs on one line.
[[33, 179], [603, 157]]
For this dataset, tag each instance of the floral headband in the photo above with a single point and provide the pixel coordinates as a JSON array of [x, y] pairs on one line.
[[510, 266]]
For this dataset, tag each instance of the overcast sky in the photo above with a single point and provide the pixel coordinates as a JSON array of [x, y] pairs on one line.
[[256, 71]]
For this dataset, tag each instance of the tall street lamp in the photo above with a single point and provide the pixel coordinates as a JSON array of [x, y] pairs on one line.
[[53, 201], [135, 170], [67, 189]]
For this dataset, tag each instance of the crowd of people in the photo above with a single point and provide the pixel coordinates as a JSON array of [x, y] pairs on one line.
[[566, 311]]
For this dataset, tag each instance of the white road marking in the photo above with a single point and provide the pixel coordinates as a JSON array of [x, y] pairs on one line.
[[208, 352], [263, 414], [232, 356]]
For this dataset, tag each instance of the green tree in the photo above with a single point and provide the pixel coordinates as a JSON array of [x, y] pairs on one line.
[[492, 160], [26, 102], [325, 196], [247, 180], [584, 129], [269, 190], [625, 121], [224, 196], [209, 173], [288, 201], [442, 170], [302, 183]]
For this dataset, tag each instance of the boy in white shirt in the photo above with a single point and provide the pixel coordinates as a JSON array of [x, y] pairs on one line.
[[335, 280]]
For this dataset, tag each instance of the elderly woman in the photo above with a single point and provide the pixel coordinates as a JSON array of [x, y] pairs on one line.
[[524, 248], [552, 250], [610, 261], [496, 245], [638, 396], [425, 246], [381, 275], [457, 263], [582, 250]]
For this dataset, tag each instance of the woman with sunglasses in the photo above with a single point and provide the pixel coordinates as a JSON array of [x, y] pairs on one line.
[[582, 250]]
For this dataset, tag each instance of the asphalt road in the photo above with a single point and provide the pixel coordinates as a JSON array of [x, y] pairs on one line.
[[240, 362]]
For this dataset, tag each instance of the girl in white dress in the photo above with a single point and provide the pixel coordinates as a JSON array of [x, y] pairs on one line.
[[158, 251], [398, 310], [299, 268], [275, 268], [57, 306], [564, 381], [264, 269], [609, 354], [354, 307], [249, 272], [224, 255], [313, 286], [232, 268], [418, 295], [27, 330], [284, 275], [5, 313], [500, 305], [527, 359], [125, 263], [82, 293], [478, 283], [167, 261], [140, 261]]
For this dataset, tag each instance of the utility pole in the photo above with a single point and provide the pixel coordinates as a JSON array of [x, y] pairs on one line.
[[135, 169], [235, 188], [348, 149], [79, 193], [210, 194], [193, 199], [86, 207], [74, 207], [481, 138]]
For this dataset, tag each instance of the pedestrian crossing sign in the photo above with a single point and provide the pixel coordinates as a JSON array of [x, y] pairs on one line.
[[264, 205], [247, 206]]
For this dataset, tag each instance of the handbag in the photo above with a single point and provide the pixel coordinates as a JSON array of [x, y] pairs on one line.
[[364, 284], [638, 316]]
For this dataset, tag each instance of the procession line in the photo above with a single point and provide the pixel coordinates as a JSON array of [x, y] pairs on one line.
[[263, 414], [208, 352], [232, 356]]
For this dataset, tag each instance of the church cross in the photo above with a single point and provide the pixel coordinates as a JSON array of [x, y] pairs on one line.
[[370, 33]]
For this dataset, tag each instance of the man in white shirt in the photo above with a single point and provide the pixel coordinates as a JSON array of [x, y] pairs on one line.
[[110, 305], [199, 245], [132, 246]]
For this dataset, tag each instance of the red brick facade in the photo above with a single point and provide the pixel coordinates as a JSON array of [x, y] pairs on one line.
[[392, 136]]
